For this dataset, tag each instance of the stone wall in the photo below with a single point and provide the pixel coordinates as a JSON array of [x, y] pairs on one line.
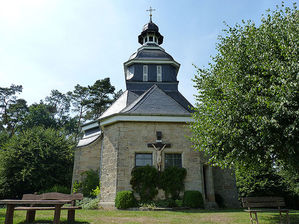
[[86, 158], [109, 164], [225, 186], [122, 140]]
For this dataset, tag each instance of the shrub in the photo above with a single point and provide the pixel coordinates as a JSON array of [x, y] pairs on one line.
[[193, 199], [125, 199], [144, 182], [179, 203], [166, 203], [89, 203], [172, 181], [57, 188], [88, 185]]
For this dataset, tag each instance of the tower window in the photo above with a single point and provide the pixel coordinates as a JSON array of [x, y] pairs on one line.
[[159, 73], [145, 73], [151, 39]]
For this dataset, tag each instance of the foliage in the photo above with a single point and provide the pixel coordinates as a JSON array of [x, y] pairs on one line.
[[179, 203], [96, 192], [33, 160], [166, 203], [171, 181], [193, 199], [262, 181], [88, 203], [247, 110], [125, 199], [57, 188], [89, 184], [144, 182]]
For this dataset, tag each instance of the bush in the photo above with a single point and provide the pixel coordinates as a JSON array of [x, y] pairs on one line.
[[88, 203], [57, 188], [172, 181], [125, 199], [144, 181], [166, 203], [89, 185], [193, 199], [179, 203], [33, 160]]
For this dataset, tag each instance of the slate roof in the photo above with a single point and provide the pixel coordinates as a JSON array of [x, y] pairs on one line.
[[88, 139], [154, 101], [149, 53]]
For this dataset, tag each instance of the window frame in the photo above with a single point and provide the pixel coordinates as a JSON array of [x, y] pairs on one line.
[[173, 163], [145, 73], [143, 153], [159, 73]]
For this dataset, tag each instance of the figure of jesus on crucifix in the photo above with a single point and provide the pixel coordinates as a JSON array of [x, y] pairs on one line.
[[159, 147]]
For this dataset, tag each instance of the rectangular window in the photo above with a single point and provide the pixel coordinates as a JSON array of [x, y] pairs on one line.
[[174, 159], [145, 73], [159, 73], [143, 159]]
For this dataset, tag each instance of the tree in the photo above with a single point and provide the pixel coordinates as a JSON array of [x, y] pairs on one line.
[[40, 115], [34, 160], [7, 98], [247, 110]]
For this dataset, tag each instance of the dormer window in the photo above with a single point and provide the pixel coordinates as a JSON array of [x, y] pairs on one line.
[[159, 73], [145, 73]]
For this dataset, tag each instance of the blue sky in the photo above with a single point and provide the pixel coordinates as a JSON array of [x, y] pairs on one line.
[[56, 44]]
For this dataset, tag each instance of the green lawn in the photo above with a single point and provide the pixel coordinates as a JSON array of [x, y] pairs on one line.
[[187, 216]]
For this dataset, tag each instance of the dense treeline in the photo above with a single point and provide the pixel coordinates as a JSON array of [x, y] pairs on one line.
[[37, 140], [247, 111]]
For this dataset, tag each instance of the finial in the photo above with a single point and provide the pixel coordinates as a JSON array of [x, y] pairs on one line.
[[150, 10]]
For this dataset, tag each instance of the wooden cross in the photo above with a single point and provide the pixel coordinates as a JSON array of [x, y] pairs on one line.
[[150, 10], [159, 147]]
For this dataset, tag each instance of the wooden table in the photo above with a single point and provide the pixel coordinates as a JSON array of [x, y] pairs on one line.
[[11, 204]]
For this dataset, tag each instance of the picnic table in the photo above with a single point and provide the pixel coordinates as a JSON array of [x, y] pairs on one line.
[[11, 204]]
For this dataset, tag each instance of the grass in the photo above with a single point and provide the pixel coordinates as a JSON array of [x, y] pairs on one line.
[[236, 216]]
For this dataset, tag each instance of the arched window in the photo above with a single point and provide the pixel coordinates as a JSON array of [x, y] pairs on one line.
[[145, 73]]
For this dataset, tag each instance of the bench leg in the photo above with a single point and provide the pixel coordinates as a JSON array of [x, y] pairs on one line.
[[9, 214], [30, 216], [256, 219], [57, 214], [288, 217], [71, 216]]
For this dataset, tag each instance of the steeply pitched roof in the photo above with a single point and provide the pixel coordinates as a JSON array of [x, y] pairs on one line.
[[155, 101], [152, 102]]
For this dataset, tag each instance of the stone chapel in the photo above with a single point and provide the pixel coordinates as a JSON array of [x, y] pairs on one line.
[[148, 125]]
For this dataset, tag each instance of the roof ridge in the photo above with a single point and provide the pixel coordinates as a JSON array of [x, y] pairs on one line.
[[142, 97]]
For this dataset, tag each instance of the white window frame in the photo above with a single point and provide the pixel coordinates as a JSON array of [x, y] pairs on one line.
[[145, 73], [159, 73]]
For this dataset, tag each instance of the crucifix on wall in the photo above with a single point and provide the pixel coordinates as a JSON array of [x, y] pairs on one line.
[[159, 147]]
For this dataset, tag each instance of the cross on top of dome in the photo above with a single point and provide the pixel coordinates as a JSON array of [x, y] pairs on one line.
[[150, 10]]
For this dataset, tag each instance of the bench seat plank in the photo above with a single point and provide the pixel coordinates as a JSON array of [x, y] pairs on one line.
[[47, 208], [266, 210]]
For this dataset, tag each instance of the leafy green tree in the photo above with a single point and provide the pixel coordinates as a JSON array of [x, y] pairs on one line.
[[40, 115], [101, 97], [35, 160], [8, 99], [247, 111]]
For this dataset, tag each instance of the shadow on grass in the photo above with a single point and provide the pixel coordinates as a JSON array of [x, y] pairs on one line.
[[294, 218], [209, 210], [48, 221]]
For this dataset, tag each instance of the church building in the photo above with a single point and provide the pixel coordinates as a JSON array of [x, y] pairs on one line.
[[148, 125]]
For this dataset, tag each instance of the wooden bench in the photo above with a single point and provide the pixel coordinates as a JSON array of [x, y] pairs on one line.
[[267, 203], [31, 210]]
